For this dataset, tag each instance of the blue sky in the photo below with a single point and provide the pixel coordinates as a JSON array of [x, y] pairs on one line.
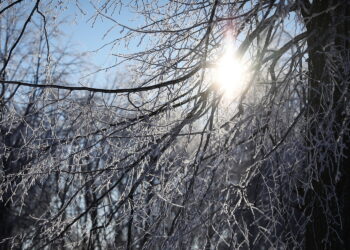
[[89, 36]]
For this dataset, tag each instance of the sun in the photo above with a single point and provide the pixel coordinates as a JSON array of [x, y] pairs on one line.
[[230, 74]]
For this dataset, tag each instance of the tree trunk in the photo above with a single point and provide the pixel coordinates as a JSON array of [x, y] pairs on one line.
[[328, 199], [5, 226]]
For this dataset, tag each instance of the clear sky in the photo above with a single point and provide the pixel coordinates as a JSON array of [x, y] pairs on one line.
[[89, 35]]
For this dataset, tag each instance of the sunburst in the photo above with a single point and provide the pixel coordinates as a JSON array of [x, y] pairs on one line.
[[230, 74]]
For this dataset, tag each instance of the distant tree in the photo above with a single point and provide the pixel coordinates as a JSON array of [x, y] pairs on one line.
[[29, 118], [170, 160]]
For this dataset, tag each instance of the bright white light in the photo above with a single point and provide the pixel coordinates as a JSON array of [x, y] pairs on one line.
[[230, 74]]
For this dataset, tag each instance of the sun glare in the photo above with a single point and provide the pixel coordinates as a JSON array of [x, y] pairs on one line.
[[230, 74]]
